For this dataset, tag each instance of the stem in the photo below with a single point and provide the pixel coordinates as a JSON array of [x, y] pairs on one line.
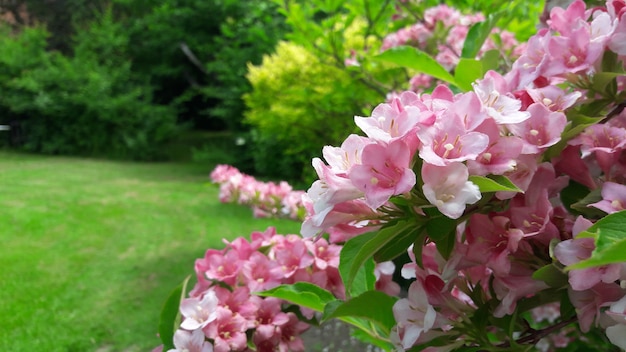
[[536, 335]]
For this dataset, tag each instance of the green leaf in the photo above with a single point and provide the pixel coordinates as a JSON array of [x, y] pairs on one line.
[[170, 315], [441, 230], [401, 242], [371, 340], [491, 60], [374, 306], [415, 59], [364, 280], [467, 71], [494, 183], [582, 206], [477, 35], [304, 294], [551, 275], [602, 80], [572, 193], [359, 249], [610, 239]]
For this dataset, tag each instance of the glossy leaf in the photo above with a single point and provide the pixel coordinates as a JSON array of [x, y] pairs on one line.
[[401, 242], [374, 306], [551, 275], [467, 71], [610, 239], [170, 315], [359, 249], [477, 35], [494, 183], [441, 230], [303, 294], [415, 59], [364, 280]]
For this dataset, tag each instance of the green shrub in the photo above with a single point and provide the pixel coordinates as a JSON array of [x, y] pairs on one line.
[[88, 104], [299, 104]]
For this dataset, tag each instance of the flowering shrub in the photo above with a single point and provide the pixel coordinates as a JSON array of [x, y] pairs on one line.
[[222, 305], [442, 31], [508, 197], [267, 199]]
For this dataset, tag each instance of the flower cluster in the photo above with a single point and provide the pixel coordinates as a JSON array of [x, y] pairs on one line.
[[267, 199], [222, 312], [491, 168], [442, 31]]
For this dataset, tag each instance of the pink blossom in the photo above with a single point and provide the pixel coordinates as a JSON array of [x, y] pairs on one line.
[[291, 254], [498, 104], [448, 188], [604, 141], [190, 341], [448, 141], [543, 129], [565, 20], [228, 331], [385, 172], [261, 273], [351, 214], [238, 301], [290, 339], [341, 159], [554, 98], [573, 54], [219, 265], [325, 254], [269, 319], [198, 313], [396, 120], [414, 315], [384, 278], [589, 302], [617, 42], [501, 154], [613, 198]]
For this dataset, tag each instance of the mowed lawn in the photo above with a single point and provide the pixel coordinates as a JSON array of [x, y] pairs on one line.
[[89, 250]]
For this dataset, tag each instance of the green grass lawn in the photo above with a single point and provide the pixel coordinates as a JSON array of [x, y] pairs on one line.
[[89, 250]]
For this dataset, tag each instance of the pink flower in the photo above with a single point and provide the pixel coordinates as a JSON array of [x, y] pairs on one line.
[[573, 251], [589, 302], [219, 265], [541, 130], [604, 141], [502, 107], [384, 278], [198, 313], [448, 142], [290, 339], [397, 120], [325, 254], [554, 98], [385, 172], [291, 254], [190, 341], [228, 331], [613, 198], [448, 188], [564, 20], [617, 42], [260, 273], [414, 315], [269, 319], [501, 154]]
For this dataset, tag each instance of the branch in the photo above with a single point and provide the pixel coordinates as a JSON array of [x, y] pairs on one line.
[[536, 335]]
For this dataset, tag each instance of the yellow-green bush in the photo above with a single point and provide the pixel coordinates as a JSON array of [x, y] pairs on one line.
[[300, 103]]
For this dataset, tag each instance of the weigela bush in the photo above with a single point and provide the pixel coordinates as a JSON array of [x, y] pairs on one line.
[[508, 198]]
